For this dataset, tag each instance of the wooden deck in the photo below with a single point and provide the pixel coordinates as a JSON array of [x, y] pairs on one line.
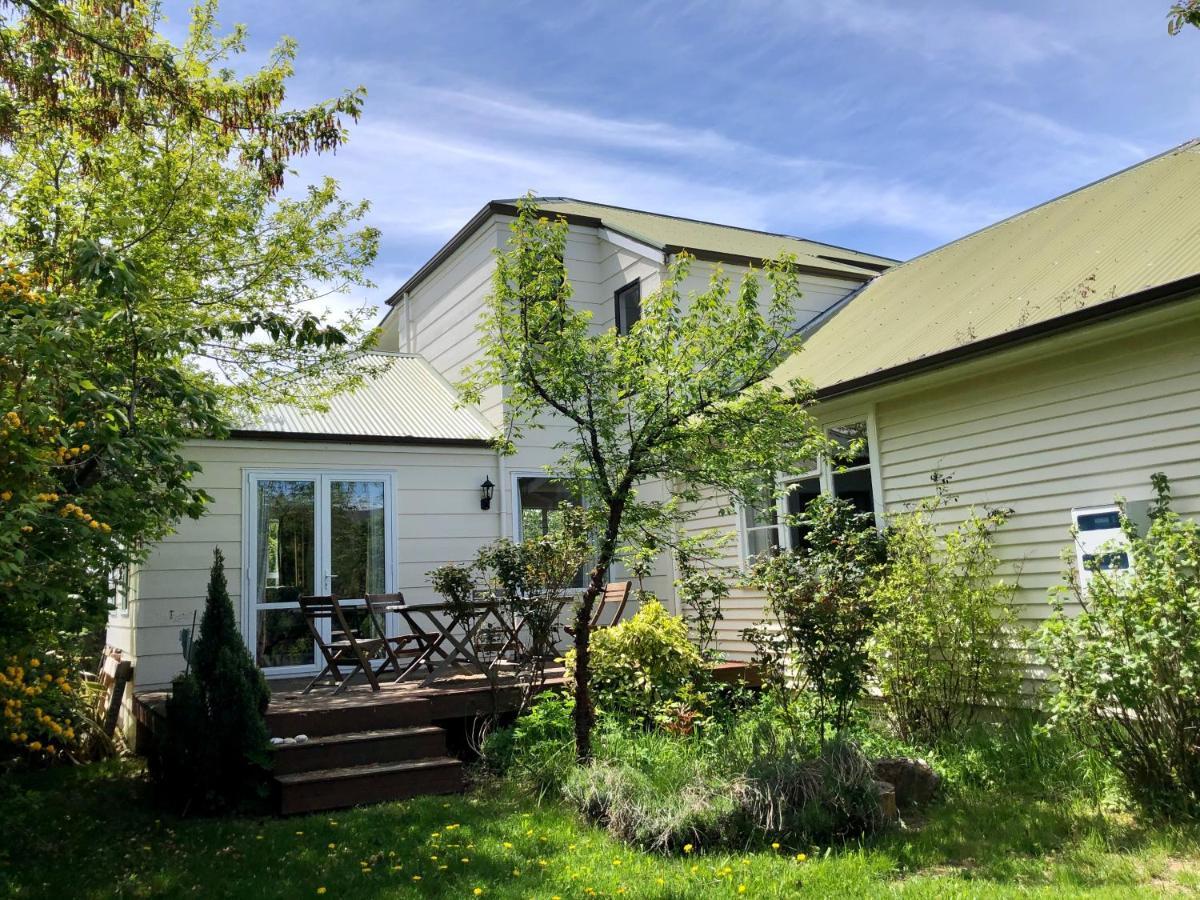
[[363, 746]]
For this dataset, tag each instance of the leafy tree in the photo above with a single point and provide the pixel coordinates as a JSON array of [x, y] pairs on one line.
[[154, 283], [1185, 12], [683, 397]]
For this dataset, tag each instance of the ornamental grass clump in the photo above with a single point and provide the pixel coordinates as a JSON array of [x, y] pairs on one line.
[[667, 794], [1126, 660]]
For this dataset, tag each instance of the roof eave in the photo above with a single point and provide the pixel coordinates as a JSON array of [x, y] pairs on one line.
[[251, 434], [737, 259], [1139, 301], [490, 209]]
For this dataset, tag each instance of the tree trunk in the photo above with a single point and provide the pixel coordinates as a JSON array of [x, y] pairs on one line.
[[585, 712]]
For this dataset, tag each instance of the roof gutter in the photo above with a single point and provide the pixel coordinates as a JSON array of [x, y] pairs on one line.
[[1139, 301], [249, 434]]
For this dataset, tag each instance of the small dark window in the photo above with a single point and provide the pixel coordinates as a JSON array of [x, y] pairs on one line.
[[629, 305]]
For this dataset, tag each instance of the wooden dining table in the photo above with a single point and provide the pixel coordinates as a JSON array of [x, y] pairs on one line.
[[451, 633]]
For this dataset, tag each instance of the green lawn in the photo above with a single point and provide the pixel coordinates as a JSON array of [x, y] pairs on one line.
[[90, 833]]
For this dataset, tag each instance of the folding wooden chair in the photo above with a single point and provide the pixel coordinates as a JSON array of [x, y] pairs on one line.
[[402, 645], [614, 597], [346, 648]]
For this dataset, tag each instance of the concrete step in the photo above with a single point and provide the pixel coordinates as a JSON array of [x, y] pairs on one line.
[[290, 716], [340, 788], [360, 748]]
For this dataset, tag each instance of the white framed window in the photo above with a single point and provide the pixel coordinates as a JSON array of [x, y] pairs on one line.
[[764, 526], [628, 300], [121, 582], [537, 499]]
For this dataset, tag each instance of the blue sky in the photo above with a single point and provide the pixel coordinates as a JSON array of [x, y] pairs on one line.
[[890, 127]]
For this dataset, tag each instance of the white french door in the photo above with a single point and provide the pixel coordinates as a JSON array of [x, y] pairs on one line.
[[310, 533]]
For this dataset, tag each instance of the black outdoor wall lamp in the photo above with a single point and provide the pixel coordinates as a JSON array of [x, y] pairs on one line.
[[485, 493]]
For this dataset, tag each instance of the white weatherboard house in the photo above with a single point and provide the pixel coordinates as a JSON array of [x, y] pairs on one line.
[[1046, 363], [386, 485]]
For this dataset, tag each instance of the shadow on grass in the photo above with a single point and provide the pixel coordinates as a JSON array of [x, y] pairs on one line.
[[92, 832]]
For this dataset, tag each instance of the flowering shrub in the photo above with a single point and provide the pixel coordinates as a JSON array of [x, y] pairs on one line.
[[39, 718], [1128, 665]]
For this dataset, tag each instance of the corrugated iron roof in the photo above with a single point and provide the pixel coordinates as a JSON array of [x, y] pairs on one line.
[[407, 401], [1134, 230], [671, 232]]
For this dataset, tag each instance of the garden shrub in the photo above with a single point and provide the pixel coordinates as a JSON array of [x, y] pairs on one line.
[[216, 751], [946, 643], [821, 616], [537, 748], [642, 664], [1128, 664]]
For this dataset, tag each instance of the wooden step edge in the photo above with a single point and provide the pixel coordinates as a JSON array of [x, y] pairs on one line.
[[312, 703], [352, 737], [370, 770]]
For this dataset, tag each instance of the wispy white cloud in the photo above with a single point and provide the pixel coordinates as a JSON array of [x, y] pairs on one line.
[[427, 173], [965, 34]]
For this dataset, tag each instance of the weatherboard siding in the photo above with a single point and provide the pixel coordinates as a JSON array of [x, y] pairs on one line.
[[1075, 425], [437, 520], [1070, 422]]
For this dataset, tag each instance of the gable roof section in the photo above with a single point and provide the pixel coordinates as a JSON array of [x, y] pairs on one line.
[[1120, 243], [670, 235], [407, 403]]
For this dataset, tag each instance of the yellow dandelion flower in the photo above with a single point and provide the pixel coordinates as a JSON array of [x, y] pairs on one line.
[[320, 890], [477, 891], [688, 848], [741, 889], [800, 857]]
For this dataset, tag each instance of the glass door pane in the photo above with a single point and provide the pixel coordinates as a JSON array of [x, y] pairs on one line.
[[357, 542], [286, 548], [356, 533]]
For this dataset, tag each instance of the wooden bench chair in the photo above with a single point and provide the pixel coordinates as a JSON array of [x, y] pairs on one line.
[[346, 647], [611, 606], [396, 647]]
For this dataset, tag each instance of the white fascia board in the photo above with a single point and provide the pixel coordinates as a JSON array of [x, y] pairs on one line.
[[632, 244]]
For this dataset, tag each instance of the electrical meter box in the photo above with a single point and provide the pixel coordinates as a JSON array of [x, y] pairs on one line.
[[1099, 541]]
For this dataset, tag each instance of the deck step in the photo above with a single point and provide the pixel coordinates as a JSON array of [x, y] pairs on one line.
[[360, 748], [289, 716], [340, 788]]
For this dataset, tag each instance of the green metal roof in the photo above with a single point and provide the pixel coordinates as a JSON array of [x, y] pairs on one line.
[[403, 400], [673, 233], [1135, 230]]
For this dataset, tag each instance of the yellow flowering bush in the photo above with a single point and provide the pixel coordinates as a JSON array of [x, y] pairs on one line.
[[40, 702]]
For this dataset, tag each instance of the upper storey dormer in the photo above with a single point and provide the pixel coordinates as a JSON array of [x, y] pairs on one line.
[[614, 256]]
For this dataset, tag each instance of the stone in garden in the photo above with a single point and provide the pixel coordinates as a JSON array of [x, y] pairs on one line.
[[914, 779]]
